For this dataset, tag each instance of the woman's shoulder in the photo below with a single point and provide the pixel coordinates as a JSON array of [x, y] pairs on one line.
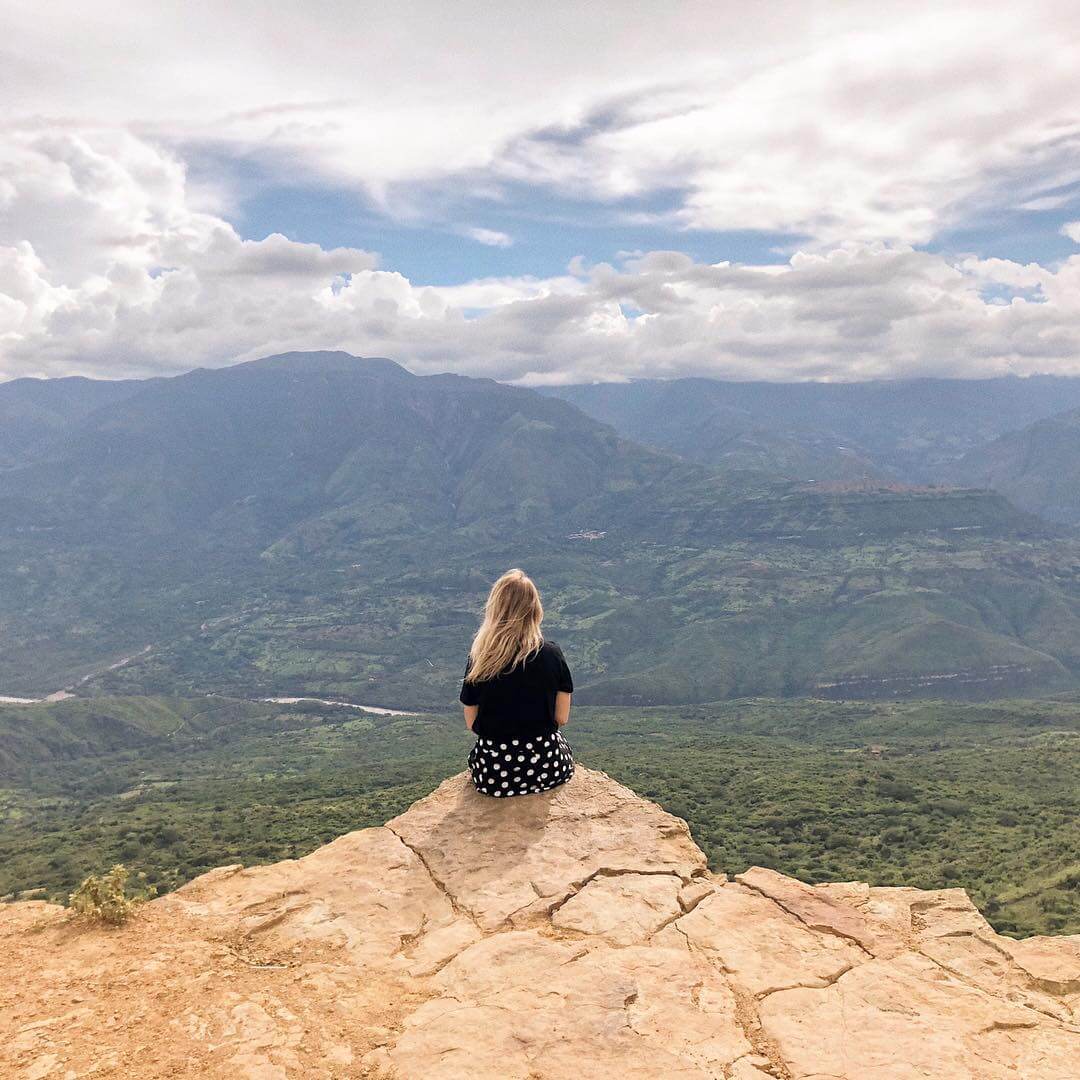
[[551, 647]]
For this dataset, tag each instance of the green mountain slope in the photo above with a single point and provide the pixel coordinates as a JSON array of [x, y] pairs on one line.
[[318, 523], [239, 455], [40, 743]]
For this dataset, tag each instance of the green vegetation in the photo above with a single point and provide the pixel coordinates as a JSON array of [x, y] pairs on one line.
[[927, 794], [645, 622]]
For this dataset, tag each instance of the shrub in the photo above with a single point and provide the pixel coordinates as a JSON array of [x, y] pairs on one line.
[[106, 899], [893, 789], [951, 807]]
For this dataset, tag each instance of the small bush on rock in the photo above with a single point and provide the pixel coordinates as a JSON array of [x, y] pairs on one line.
[[106, 899]]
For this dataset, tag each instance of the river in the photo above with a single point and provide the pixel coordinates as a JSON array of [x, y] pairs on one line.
[[343, 704], [58, 695], [61, 695]]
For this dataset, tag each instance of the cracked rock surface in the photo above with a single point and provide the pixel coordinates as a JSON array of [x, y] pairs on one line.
[[573, 933]]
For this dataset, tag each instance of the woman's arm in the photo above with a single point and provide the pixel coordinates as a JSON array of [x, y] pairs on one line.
[[470, 715], [562, 708]]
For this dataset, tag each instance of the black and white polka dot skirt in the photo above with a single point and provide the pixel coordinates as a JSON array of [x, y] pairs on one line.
[[521, 766]]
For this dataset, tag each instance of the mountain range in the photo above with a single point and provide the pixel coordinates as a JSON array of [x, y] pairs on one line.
[[914, 430], [318, 522]]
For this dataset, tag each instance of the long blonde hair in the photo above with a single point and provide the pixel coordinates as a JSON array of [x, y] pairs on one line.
[[510, 632]]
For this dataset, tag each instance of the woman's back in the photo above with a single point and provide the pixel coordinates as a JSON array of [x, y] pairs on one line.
[[521, 700]]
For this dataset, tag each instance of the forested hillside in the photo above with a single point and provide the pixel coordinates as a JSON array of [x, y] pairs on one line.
[[318, 523]]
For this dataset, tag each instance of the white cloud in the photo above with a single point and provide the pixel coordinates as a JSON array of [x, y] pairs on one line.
[[889, 134], [1071, 229], [838, 121], [1048, 202], [488, 237], [101, 254], [116, 274]]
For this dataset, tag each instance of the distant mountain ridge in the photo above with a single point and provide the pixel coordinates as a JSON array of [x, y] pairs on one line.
[[305, 448], [246, 451], [34, 410], [912, 429], [1037, 467]]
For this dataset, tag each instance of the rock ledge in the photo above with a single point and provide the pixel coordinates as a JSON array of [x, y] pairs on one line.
[[573, 933]]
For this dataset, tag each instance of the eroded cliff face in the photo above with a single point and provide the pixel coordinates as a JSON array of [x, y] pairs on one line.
[[572, 934]]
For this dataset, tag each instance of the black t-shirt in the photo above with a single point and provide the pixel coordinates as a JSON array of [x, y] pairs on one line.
[[520, 701]]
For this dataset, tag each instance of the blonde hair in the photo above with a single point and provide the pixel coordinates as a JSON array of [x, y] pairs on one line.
[[510, 632]]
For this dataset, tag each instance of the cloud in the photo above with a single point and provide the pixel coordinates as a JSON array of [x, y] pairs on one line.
[[833, 121], [1071, 229], [105, 269], [1048, 202], [894, 133], [101, 252], [488, 237]]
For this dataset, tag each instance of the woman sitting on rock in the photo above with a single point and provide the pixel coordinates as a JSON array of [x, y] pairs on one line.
[[516, 694]]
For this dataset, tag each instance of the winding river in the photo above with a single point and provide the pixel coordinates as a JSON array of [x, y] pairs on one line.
[[61, 695]]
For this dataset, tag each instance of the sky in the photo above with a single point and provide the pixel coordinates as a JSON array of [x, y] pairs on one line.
[[542, 194]]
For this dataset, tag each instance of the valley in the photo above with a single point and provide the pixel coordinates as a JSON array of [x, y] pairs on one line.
[[717, 364]]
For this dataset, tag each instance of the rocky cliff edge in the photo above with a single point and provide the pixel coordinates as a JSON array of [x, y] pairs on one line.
[[572, 934]]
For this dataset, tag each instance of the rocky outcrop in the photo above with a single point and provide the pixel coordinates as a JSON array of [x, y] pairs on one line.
[[572, 934]]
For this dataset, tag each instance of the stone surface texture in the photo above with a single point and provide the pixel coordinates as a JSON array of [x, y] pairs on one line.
[[570, 934]]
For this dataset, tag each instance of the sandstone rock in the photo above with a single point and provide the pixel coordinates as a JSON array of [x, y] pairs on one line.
[[1054, 963], [903, 1018], [513, 862], [763, 946], [1050, 965], [273, 907], [641, 1012], [624, 908], [550, 937], [819, 911]]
